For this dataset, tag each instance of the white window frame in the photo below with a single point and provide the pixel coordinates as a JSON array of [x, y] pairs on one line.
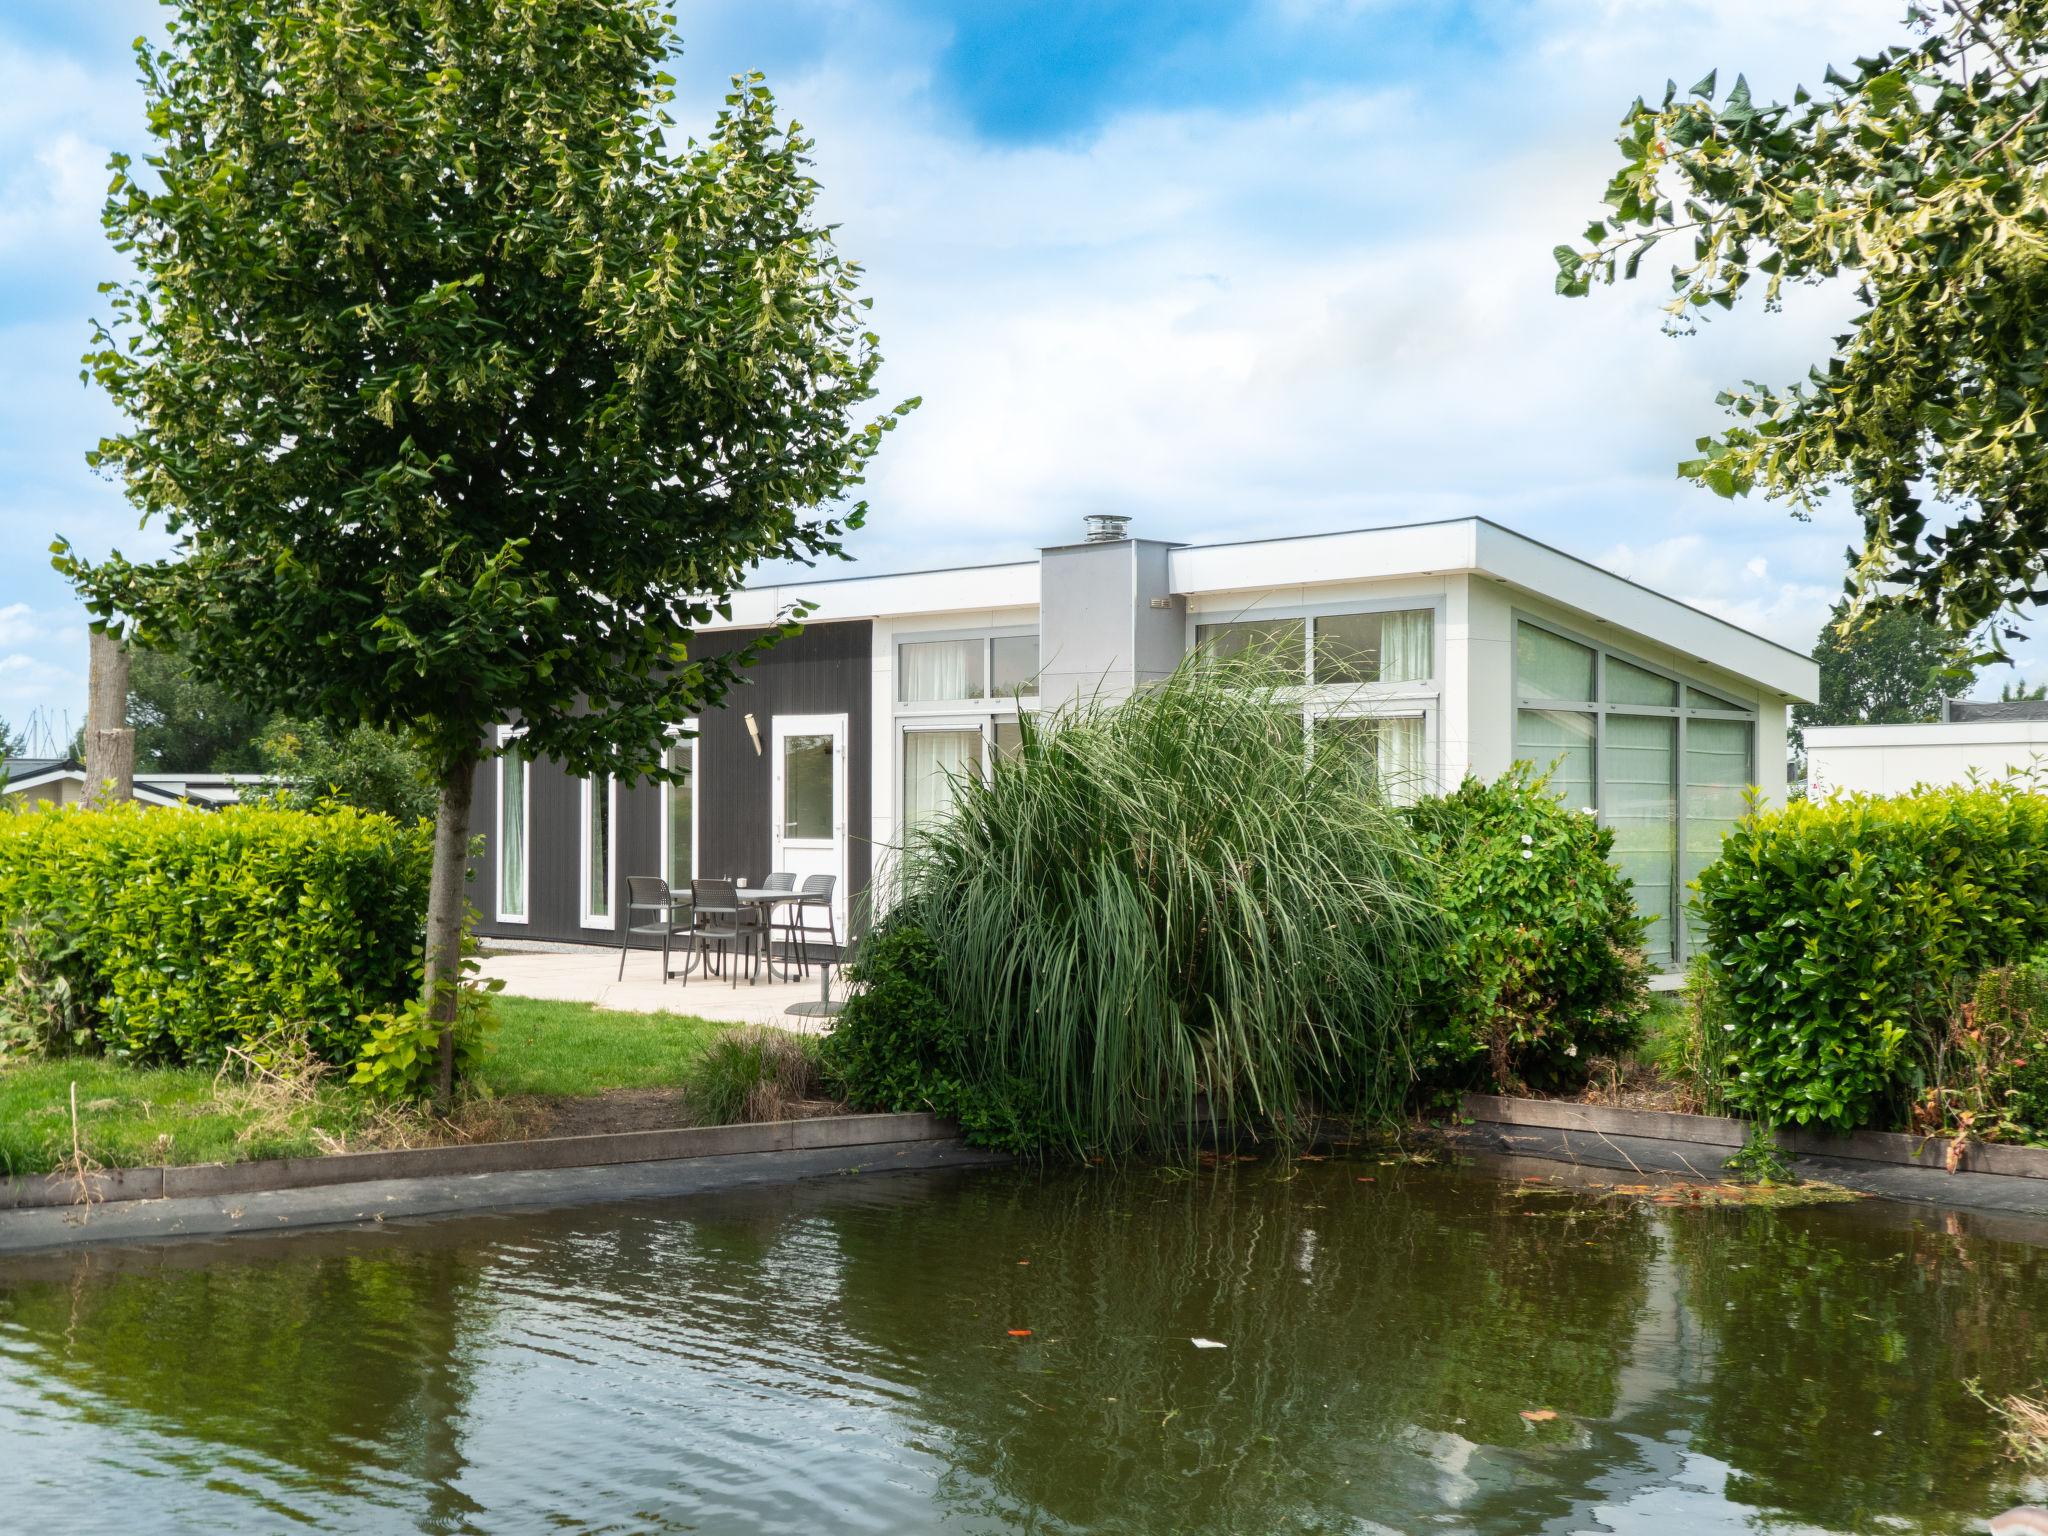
[[675, 733], [588, 919], [983, 723], [991, 703], [1392, 709], [507, 734]]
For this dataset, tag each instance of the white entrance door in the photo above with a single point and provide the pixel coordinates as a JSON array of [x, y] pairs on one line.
[[807, 809]]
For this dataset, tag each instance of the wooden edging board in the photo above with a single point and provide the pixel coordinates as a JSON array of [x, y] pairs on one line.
[[207, 1179], [1720, 1131]]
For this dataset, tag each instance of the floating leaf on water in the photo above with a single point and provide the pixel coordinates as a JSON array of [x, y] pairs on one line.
[[1020, 1333], [1539, 1415], [1208, 1344]]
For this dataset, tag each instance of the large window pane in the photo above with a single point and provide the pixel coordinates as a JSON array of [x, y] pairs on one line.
[[933, 764], [1395, 745], [1279, 643], [930, 671], [1632, 685], [1720, 765], [681, 821], [1375, 647], [1642, 808], [1014, 667], [597, 848], [1560, 743], [512, 835], [807, 788], [1009, 739], [1549, 666]]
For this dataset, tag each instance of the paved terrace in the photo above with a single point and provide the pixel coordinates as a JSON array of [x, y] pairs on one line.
[[588, 973]]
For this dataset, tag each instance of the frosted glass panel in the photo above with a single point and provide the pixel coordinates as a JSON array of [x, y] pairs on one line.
[[1632, 685], [512, 838], [1549, 666], [1560, 743], [930, 671], [1720, 765], [1642, 808], [1375, 647], [1699, 698], [932, 763], [1280, 643], [681, 823]]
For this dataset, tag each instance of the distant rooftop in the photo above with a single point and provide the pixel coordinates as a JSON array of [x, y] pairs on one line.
[[1985, 711]]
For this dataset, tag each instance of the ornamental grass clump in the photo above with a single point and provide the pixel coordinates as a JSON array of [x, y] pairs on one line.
[[1169, 909]]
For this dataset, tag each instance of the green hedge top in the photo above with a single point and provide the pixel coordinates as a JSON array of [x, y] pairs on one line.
[[1843, 931], [190, 931]]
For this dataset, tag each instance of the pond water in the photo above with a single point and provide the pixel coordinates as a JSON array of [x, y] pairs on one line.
[[845, 1356]]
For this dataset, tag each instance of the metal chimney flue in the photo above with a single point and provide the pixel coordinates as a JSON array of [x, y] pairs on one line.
[[1107, 527]]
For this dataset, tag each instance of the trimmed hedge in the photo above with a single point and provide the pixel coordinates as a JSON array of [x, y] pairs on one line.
[[1843, 933], [1539, 968], [185, 931]]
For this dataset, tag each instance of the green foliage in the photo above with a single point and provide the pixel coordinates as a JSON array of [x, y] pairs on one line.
[[184, 725], [43, 990], [897, 1047], [194, 931], [1540, 966], [1164, 912], [1918, 173], [1892, 667], [1760, 1160], [1695, 1052], [400, 1052], [371, 769], [1844, 932], [461, 394], [752, 1074], [12, 741]]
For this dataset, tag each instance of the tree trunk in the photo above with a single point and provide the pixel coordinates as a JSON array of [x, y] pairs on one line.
[[109, 743], [447, 900]]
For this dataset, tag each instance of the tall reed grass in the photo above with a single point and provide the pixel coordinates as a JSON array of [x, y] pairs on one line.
[[1168, 909]]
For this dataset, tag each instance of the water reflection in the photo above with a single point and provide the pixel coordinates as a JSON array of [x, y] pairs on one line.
[[839, 1356]]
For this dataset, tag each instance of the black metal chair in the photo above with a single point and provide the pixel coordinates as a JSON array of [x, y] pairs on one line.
[[816, 893], [645, 893], [719, 918], [781, 880]]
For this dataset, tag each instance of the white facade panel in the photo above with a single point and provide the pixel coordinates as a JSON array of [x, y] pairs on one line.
[[1893, 759]]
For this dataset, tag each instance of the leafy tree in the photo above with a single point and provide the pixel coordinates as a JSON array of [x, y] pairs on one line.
[[466, 394], [1922, 174], [185, 725], [1891, 667], [372, 769], [12, 741], [2020, 693]]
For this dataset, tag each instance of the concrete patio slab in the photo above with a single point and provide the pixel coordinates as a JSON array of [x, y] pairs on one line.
[[590, 974]]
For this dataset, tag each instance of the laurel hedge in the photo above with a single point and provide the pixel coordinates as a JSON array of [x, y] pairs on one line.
[[177, 933]]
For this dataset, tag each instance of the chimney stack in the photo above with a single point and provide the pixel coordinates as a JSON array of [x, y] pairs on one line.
[[1107, 527]]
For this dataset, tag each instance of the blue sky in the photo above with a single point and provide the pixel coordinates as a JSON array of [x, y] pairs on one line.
[[1233, 269]]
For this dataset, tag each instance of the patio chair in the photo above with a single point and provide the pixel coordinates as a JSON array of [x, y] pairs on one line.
[[645, 893], [719, 918], [781, 880], [816, 893]]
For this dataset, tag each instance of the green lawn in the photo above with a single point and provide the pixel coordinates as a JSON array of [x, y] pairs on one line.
[[129, 1116]]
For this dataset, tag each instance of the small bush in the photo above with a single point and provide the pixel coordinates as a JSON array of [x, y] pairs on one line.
[[1844, 933], [753, 1074], [897, 1047], [1540, 969], [1991, 1067], [190, 931]]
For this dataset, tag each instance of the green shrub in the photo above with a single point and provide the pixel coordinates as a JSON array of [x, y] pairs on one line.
[[1843, 933], [316, 767], [752, 1074], [1991, 1068], [1540, 967], [896, 1048], [190, 931], [1165, 911]]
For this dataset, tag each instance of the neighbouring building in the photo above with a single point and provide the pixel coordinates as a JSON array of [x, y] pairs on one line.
[[61, 781], [1459, 646], [1972, 740]]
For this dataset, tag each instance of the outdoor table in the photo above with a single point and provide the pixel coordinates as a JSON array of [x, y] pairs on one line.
[[754, 895]]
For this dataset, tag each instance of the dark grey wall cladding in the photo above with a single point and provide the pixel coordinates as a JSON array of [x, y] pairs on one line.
[[826, 670]]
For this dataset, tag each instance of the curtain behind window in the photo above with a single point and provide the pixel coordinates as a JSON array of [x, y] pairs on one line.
[[935, 670], [932, 760], [512, 838], [1407, 647]]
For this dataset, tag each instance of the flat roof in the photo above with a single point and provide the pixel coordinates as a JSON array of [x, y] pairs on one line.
[[1440, 546]]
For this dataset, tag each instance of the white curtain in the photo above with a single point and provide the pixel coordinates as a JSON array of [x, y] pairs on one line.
[[1402, 770], [932, 761], [597, 873], [512, 838], [1407, 649], [939, 669]]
